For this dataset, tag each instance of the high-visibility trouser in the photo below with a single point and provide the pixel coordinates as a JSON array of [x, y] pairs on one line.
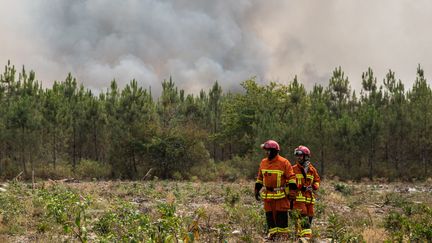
[[278, 230], [306, 233], [277, 222]]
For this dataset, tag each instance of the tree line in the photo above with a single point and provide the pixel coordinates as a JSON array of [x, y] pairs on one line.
[[381, 131]]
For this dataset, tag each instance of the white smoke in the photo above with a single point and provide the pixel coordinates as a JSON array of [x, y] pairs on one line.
[[199, 42]]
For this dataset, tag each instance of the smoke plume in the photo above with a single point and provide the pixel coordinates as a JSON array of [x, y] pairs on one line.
[[199, 42]]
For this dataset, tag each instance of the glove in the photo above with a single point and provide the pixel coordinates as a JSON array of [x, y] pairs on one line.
[[258, 187], [306, 188], [292, 195], [257, 196]]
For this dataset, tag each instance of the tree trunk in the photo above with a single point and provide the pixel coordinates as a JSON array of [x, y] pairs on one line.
[[23, 150], [74, 148], [54, 148], [95, 141], [322, 160], [370, 159]]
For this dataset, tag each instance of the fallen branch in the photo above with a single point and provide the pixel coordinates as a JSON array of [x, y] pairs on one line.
[[147, 175], [18, 177]]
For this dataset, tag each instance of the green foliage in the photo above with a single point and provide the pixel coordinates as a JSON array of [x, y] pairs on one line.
[[395, 199], [413, 223], [177, 151], [61, 171], [124, 223], [231, 197], [67, 209], [338, 231], [369, 133], [343, 188], [88, 169], [12, 209]]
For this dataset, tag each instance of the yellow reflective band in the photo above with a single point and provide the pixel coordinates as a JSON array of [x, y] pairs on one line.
[[273, 230], [278, 195], [300, 197], [273, 171], [259, 181], [310, 200], [278, 229], [278, 173], [284, 230], [306, 232], [292, 181], [299, 176], [310, 177], [317, 183]]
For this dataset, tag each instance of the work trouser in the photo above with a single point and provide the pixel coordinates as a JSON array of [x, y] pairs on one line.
[[307, 212], [277, 216]]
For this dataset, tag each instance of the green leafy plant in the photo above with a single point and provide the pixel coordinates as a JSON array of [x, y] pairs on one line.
[[343, 188], [413, 222], [67, 209]]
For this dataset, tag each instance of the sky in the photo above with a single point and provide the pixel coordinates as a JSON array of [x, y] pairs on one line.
[[199, 42]]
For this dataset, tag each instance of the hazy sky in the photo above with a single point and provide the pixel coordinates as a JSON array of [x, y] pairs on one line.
[[198, 42]]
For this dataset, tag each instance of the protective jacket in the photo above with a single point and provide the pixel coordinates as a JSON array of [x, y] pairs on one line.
[[307, 180], [275, 175]]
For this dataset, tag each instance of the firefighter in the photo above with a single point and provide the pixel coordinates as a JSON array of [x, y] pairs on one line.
[[308, 181], [275, 177]]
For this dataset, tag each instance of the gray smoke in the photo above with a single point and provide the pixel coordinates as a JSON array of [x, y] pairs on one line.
[[198, 42]]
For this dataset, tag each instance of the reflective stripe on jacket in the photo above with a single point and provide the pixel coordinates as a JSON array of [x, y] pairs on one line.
[[275, 175], [312, 179]]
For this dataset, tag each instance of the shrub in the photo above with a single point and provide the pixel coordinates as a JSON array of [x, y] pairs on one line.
[[414, 223], [205, 171], [47, 171], [67, 209], [9, 169], [339, 232], [177, 151], [124, 223], [343, 188], [88, 169], [12, 208]]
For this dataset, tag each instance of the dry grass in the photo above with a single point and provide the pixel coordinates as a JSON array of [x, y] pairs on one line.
[[373, 235], [230, 211]]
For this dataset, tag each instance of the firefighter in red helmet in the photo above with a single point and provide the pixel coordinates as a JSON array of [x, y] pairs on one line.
[[275, 177], [308, 181]]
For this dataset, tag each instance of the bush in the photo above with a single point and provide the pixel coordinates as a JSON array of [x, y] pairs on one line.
[[12, 209], [204, 171], [47, 171], [67, 209], [88, 169], [245, 167], [177, 151], [125, 223], [9, 169], [414, 223], [338, 231], [345, 189]]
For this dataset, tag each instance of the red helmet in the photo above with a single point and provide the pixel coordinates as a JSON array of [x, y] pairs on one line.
[[302, 150], [270, 144]]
